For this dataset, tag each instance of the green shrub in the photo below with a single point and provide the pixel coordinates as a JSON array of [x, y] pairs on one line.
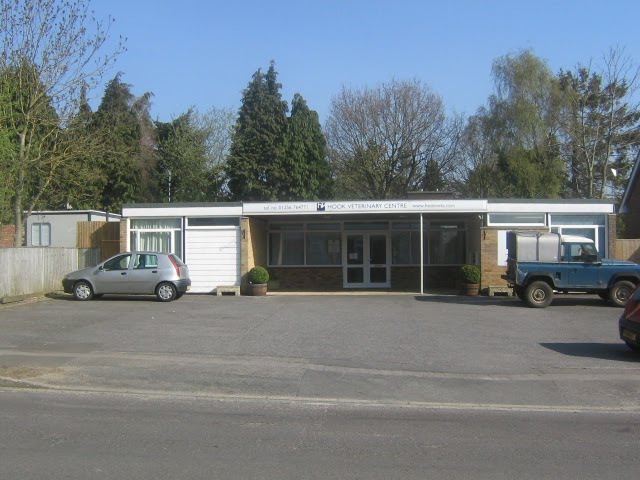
[[258, 275], [470, 274]]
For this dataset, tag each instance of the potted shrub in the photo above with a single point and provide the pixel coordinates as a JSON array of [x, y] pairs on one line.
[[470, 279], [258, 278]]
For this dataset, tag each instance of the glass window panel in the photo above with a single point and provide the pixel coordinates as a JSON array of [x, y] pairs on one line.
[[323, 249], [405, 248], [275, 248], [45, 234], [581, 232], [324, 226], [378, 274], [517, 218], [366, 226], [405, 226], [355, 275], [286, 226], [177, 244], [378, 249], [213, 222], [35, 234], [155, 242], [446, 247], [445, 225], [154, 223], [355, 249], [286, 248], [578, 220], [401, 248]]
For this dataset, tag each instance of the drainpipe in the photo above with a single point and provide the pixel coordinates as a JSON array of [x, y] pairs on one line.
[[421, 256]]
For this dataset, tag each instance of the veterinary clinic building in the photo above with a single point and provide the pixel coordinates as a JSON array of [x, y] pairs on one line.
[[412, 245]]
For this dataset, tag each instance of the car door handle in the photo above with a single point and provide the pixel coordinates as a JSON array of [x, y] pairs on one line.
[[123, 273], [154, 271]]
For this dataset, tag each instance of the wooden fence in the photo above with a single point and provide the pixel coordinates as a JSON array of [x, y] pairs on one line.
[[102, 235], [29, 271], [628, 249]]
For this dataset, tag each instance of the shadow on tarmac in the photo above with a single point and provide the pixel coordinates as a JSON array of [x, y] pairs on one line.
[[560, 300], [604, 351]]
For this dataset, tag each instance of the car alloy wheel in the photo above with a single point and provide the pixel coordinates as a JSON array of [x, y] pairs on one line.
[[82, 291], [166, 292]]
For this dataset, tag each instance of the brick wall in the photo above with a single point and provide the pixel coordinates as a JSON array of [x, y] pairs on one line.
[[406, 279], [307, 278], [7, 235], [491, 271], [435, 277], [123, 234], [253, 248]]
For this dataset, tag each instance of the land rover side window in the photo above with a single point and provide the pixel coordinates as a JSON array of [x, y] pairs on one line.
[[580, 252], [118, 263]]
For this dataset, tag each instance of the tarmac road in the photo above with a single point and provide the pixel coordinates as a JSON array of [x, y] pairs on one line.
[[450, 351]]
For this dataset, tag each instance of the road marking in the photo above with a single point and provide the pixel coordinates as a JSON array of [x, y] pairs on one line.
[[338, 402]]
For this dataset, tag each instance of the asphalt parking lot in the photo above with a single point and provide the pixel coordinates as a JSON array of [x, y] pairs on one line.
[[381, 348]]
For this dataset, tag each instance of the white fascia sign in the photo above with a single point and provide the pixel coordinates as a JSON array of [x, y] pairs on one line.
[[364, 206]]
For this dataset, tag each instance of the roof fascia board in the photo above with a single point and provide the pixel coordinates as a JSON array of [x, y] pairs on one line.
[[567, 207], [135, 212]]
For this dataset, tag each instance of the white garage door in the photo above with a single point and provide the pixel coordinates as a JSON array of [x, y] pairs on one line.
[[213, 258]]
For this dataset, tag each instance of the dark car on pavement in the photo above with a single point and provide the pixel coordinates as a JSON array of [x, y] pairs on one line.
[[629, 323], [140, 273]]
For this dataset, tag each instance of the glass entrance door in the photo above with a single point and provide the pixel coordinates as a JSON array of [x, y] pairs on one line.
[[366, 265]]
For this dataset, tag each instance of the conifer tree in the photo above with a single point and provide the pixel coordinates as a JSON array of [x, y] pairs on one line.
[[307, 175], [258, 140], [117, 122]]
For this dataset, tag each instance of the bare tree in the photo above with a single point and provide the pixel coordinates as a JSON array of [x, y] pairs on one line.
[[602, 124], [382, 140], [50, 52]]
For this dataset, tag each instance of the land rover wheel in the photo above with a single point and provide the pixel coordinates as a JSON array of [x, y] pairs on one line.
[[538, 294], [620, 292]]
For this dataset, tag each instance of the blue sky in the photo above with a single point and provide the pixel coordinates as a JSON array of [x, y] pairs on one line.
[[203, 53]]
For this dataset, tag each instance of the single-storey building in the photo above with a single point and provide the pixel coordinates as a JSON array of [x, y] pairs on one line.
[[58, 228], [408, 244]]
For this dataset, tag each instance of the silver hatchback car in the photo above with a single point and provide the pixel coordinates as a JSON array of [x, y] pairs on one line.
[[144, 273]]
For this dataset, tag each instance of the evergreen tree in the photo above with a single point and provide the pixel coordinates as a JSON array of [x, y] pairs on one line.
[[257, 146], [117, 124], [190, 156], [307, 174]]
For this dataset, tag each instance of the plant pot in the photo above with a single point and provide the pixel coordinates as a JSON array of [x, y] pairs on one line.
[[470, 289], [258, 289]]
